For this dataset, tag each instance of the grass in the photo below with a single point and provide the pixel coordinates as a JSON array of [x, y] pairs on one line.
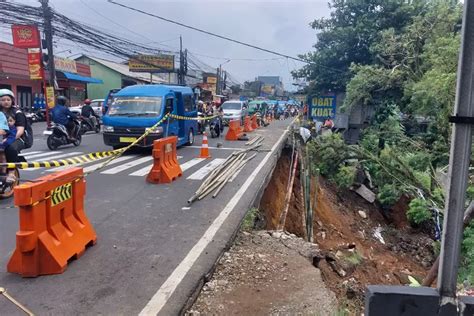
[[354, 258], [249, 219]]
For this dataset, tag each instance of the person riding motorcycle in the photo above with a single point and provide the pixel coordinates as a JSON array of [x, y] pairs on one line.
[[63, 116], [87, 112]]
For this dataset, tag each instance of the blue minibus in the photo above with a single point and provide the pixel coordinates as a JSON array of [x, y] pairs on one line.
[[134, 109]]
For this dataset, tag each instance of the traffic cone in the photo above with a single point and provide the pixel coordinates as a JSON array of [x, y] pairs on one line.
[[204, 147]]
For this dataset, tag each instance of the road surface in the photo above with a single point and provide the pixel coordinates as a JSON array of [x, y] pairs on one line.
[[152, 249]]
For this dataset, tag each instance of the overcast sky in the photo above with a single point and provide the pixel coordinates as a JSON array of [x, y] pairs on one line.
[[282, 26]]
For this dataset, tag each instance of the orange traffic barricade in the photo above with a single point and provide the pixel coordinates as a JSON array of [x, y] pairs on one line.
[[165, 161], [235, 130], [53, 225], [247, 125], [254, 122]]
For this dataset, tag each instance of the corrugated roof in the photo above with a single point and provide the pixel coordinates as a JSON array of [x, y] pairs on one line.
[[123, 69]]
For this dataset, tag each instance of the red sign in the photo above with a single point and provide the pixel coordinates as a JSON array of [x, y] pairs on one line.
[[34, 64], [25, 36]]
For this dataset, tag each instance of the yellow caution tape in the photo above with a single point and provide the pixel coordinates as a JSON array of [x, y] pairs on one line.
[[188, 118]]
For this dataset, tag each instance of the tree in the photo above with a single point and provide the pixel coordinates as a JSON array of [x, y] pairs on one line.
[[236, 89]]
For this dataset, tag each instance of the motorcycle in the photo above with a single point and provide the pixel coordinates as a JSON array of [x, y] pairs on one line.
[[216, 127], [6, 187], [201, 123], [58, 135], [86, 126]]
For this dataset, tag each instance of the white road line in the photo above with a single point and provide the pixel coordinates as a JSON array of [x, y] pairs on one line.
[[127, 165], [113, 162], [188, 164], [201, 173], [223, 148], [163, 294], [31, 153], [56, 157], [41, 155], [144, 171]]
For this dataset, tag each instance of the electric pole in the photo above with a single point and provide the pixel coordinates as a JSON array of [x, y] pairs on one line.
[[181, 62], [48, 36]]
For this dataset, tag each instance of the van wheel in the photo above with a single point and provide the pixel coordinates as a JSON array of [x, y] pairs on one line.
[[190, 138]]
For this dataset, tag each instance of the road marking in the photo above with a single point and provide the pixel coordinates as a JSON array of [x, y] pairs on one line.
[[201, 173], [31, 153], [188, 164], [127, 165], [26, 155], [224, 148], [146, 170], [185, 208], [74, 153], [113, 162], [167, 289]]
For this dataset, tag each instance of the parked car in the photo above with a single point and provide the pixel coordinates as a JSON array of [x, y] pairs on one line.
[[96, 105], [234, 109]]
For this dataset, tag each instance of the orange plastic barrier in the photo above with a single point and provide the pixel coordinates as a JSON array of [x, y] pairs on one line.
[[165, 161], [247, 125], [235, 131], [254, 122], [53, 225]]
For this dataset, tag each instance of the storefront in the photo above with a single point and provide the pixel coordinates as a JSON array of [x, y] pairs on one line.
[[72, 77]]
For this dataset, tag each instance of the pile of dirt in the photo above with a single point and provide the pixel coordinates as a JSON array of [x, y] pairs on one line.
[[360, 248], [266, 273]]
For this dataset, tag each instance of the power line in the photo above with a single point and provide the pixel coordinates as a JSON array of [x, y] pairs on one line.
[[209, 33]]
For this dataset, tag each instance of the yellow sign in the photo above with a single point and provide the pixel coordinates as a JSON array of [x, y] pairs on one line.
[[267, 89], [151, 63], [61, 194], [50, 97], [65, 64], [211, 80]]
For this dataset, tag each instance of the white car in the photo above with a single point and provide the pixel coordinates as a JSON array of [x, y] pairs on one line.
[[96, 106], [234, 110]]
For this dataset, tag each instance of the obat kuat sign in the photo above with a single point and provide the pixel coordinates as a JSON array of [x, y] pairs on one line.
[[151, 63], [322, 107], [25, 36]]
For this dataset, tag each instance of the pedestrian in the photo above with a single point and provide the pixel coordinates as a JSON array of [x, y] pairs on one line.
[[24, 132]]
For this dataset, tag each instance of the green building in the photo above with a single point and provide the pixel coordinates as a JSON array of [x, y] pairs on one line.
[[114, 76]]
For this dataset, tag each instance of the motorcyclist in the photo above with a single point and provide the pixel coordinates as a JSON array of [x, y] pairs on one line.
[[63, 116], [87, 112]]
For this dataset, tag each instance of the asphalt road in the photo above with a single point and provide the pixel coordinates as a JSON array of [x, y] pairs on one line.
[[152, 248]]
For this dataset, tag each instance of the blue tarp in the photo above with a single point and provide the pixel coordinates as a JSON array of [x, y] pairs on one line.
[[77, 77]]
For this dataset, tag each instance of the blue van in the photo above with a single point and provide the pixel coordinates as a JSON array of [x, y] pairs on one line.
[[135, 109]]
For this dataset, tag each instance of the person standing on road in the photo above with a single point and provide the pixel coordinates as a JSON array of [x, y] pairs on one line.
[[24, 134]]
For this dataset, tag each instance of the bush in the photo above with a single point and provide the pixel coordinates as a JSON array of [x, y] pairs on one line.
[[328, 153], [388, 195], [418, 212], [466, 271], [344, 178]]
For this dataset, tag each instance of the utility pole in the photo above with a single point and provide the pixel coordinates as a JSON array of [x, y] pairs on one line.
[[181, 62], [460, 154], [48, 34]]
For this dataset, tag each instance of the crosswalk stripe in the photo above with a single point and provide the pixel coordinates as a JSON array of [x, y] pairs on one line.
[[55, 157], [27, 156], [201, 173], [127, 165], [188, 164], [31, 153], [144, 171], [113, 162]]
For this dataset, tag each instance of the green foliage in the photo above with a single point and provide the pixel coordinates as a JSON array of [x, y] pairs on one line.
[[418, 212], [328, 152], [466, 271], [388, 195], [345, 176], [249, 220], [355, 258]]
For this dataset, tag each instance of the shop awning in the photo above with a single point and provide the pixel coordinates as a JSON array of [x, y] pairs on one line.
[[76, 77]]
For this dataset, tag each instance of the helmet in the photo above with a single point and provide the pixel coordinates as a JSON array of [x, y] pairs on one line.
[[61, 100], [87, 101], [8, 92]]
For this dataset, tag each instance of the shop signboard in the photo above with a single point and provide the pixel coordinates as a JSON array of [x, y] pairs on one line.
[[50, 97], [65, 64], [322, 106], [211, 80], [34, 64], [151, 63], [25, 36]]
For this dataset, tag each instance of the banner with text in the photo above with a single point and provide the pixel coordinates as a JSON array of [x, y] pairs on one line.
[[151, 63], [35, 64], [25, 36], [322, 107]]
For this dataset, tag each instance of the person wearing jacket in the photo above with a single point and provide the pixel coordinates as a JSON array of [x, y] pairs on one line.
[[63, 116]]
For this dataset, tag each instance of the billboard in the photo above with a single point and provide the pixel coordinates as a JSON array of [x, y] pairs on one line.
[[322, 107], [151, 63], [211, 80], [25, 36], [65, 64], [35, 64]]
